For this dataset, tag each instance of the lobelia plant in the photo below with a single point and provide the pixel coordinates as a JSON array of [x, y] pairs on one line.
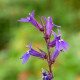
[[59, 44]]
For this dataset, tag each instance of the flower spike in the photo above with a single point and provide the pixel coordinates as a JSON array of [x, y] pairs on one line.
[[59, 44]]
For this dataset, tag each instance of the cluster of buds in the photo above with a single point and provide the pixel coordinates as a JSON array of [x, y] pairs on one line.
[[59, 44], [46, 76]]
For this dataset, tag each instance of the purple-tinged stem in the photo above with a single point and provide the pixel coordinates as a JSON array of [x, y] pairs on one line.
[[49, 62], [49, 57]]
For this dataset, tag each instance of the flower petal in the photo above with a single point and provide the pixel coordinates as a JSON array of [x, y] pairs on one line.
[[55, 35], [56, 25], [26, 58], [58, 45], [23, 56], [52, 43], [49, 27], [59, 32], [64, 46], [32, 20], [45, 19], [55, 55], [33, 13], [24, 19], [35, 53], [30, 45], [50, 19]]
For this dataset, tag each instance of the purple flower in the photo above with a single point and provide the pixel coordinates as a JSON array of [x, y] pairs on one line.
[[55, 55], [49, 26], [32, 52], [58, 42], [32, 20], [46, 76], [25, 57]]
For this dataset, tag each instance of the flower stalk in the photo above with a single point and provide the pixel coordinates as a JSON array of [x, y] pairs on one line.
[[49, 57], [59, 44]]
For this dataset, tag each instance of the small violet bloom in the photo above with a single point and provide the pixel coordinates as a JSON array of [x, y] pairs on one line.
[[32, 52], [32, 20], [49, 26], [58, 42], [55, 55], [46, 76]]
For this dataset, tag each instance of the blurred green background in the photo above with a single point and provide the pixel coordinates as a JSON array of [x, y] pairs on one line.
[[15, 35]]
